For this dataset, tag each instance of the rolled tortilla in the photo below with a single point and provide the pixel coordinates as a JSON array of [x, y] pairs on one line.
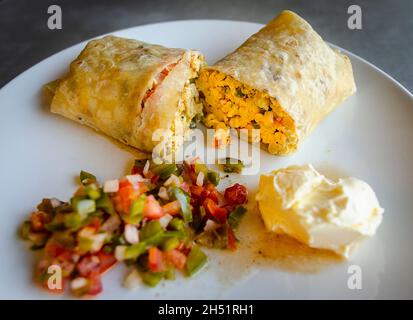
[[129, 89], [283, 80]]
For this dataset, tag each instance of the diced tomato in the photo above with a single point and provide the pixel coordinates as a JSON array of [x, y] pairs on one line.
[[236, 194], [196, 190], [140, 188], [124, 196], [220, 214], [87, 265], [38, 220], [184, 248], [210, 187], [52, 250], [152, 209], [123, 183], [94, 223], [232, 241], [176, 258], [155, 260], [137, 170], [171, 208], [95, 284], [155, 178], [214, 196], [107, 260]]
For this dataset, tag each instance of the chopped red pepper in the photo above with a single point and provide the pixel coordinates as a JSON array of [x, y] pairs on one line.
[[95, 284], [155, 260], [236, 194], [152, 209], [220, 214], [232, 241], [176, 258], [107, 260], [171, 208], [87, 265]]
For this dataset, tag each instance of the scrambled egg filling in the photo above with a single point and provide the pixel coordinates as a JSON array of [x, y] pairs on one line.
[[229, 103], [189, 106]]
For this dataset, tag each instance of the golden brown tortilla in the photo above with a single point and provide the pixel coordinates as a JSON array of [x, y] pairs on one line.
[[128, 89]]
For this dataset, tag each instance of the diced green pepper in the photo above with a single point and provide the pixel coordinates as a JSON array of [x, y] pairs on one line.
[[136, 211], [213, 177], [198, 219], [105, 204], [196, 261], [73, 220], [239, 93], [181, 234], [165, 170], [135, 250], [170, 244], [46, 205], [92, 191], [183, 199], [216, 238], [151, 278], [38, 238], [232, 165], [200, 167], [170, 274], [86, 177], [55, 226], [176, 224], [152, 233], [235, 217], [85, 206], [85, 244], [25, 230]]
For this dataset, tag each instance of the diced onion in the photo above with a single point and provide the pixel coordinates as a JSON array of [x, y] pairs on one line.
[[98, 241], [78, 283], [172, 180], [120, 253], [146, 168], [133, 279], [135, 178], [111, 186], [55, 202], [131, 234], [164, 221], [163, 193], [200, 179], [210, 225], [111, 224]]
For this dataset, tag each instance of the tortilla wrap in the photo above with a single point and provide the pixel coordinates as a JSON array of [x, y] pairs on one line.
[[284, 80], [128, 89]]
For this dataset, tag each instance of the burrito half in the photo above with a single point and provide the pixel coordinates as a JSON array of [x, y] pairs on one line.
[[283, 80], [128, 89]]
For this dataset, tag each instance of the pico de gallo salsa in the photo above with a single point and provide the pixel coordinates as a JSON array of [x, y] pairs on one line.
[[155, 220]]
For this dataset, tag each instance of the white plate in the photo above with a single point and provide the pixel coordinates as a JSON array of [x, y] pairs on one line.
[[369, 136]]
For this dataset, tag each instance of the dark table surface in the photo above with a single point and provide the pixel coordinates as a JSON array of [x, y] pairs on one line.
[[386, 38]]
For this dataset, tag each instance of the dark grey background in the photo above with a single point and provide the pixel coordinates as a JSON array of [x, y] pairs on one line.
[[386, 39]]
